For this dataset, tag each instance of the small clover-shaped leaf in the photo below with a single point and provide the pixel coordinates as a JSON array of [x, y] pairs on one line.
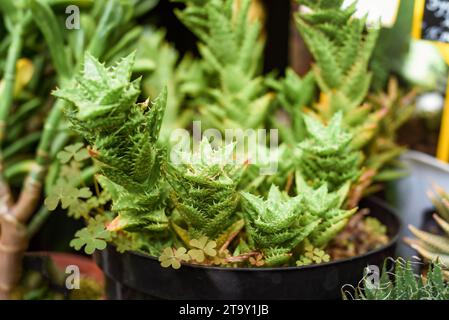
[[173, 257], [181, 254], [71, 170], [93, 237], [257, 261], [84, 193], [304, 261], [66, 193], [320, 256], [198, 243], [202, 247], [197, 255], [60, 191], [51, 201], [317, 256], [79, 209], [309, 254], [209, 249], [75, 151]]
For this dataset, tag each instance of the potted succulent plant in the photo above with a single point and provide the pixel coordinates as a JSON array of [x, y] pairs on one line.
[[192, 211], [159, 205], [407, 280], [219, 218]]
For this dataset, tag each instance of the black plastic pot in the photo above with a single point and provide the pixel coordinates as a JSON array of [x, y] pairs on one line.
[[135, 276]]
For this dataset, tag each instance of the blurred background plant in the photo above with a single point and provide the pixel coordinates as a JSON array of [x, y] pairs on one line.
[[434, 246], [400, 283]]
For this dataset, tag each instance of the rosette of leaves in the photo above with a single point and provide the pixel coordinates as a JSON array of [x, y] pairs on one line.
[[293, 93], [325, 206], [326, 155], [277, 225], [382, 152], [341, 46], [123, 135], [435, 246], [161, 65], [205, 182], [234, 94], [401, 284]]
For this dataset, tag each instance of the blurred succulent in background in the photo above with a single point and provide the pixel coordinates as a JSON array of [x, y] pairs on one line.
[[160, 65], [435, 247], [342, 49], [234, 95], [400, 284], [392, 48], [293, 94], [382, 152], [343, 77]]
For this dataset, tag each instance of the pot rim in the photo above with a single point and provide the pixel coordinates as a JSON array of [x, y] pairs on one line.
[[422, 158], [375, 200]]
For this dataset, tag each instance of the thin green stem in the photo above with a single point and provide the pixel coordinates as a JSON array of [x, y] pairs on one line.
[[19, 168], [107, 23], [38, 221], [50, 131], [23, 111], [7, 97], [20, 144], [9, 78]]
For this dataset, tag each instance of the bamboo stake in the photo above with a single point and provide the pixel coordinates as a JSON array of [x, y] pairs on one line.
[[443, 139]]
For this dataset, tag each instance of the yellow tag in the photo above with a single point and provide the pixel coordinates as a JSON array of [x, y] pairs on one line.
[[431, 23], [443, 139]]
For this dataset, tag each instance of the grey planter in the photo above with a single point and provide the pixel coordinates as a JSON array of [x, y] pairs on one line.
[[409, 193]]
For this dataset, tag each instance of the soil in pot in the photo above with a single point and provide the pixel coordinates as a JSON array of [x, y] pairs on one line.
[[135, 276]]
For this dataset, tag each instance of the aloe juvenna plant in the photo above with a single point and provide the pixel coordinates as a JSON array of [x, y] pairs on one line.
[[123, 135]]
